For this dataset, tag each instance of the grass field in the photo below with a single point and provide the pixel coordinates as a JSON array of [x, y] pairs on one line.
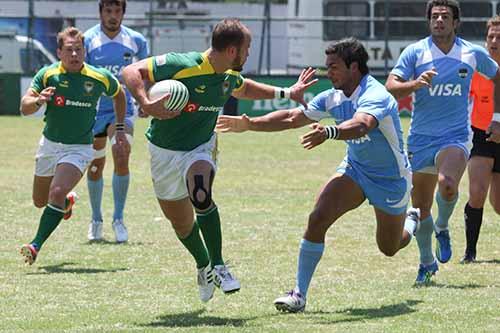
[[265, 188]]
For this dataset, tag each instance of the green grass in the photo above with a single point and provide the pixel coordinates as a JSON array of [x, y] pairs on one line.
[[265, 188]]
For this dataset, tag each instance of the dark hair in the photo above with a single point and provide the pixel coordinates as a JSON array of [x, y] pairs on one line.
[[350, 50], [103, 3], [229, 32], [493, 22], [452, 4], [69, 31]]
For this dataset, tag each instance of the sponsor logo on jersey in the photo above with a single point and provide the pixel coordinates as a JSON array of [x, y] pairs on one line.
[[78, 104], [127, 56], [191, 107], [116, 70], [360, 140], [445, 89], [225, 87], [463, 72], [64, 84], [59, 100], [194, 107], [62, 101], [200, 89], [88, 86]]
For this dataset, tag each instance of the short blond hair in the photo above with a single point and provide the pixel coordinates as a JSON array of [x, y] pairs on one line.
[[68, 32], [492, 22]]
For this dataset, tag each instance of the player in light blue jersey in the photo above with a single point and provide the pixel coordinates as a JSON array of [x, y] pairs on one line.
[[438, 70], [113, 46], [375, 166]]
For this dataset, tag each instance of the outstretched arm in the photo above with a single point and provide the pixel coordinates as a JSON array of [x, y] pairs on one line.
[[400, 88], [354, 128], [134, 76], [271, 122], [256, 90]]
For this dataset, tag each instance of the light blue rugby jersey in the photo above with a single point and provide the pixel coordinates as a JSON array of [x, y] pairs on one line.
[[443, 111], [114, 54], [380, 153]]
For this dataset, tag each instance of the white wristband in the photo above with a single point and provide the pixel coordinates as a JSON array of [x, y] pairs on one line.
[[496, 117], [282, 93], [332, 132]]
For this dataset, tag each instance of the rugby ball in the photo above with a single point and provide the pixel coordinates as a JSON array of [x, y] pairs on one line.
[[179, 94]]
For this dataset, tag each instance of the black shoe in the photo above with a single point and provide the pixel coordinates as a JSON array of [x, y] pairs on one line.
[[468, 258]]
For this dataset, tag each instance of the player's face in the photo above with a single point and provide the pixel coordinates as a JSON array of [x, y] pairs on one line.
[[493, 42], [72, 54], [111, 17], [441, 22], [242, 56], [338, 72]]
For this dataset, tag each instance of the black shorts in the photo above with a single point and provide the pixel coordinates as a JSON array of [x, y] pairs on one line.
[[481, 147]]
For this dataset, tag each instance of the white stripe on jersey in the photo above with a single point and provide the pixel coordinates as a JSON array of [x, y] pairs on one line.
[[336, 99], [389, 131], [122, 38], [461, 53]]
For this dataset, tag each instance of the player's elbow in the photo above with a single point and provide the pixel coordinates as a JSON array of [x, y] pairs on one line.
[[127, 73], [296, 118]]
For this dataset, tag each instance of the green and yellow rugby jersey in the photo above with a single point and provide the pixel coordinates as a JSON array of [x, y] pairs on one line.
[[70, 114], [208, 92]]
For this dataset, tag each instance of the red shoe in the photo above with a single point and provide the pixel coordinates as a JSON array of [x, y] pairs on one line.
[[72, 198], [29, 252]]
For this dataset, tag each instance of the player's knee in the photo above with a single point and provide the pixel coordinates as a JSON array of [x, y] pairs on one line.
[[201, 205], [57, 194], [448, 187], [319, 222], [200, 196], [95, 169]]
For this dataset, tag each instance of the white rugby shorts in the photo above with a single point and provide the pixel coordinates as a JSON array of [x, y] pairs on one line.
[[50, 154], [169, 168]]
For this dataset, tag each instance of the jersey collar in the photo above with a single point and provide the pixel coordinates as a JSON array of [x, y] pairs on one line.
[[106, 37], [63, 70]]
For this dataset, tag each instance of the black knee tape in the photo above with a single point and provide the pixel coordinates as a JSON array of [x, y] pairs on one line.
[[198, 186]]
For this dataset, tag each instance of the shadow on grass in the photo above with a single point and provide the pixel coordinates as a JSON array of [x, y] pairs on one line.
[[450, 286], [107, 242], [194, 319], [362, 314], [491, 261], [60, 268]]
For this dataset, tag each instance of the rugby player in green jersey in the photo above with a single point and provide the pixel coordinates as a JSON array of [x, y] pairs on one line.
[[183, 144], [69, 89]]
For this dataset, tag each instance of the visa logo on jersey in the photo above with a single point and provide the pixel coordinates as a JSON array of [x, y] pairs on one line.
[[116, 70], [445, 89]]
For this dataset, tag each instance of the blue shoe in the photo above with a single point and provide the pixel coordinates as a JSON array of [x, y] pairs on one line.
[[443, 246], [426, 272]]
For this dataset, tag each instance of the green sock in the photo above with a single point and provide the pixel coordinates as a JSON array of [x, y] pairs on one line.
[[49, 221], [210, 229], [195, 246]]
